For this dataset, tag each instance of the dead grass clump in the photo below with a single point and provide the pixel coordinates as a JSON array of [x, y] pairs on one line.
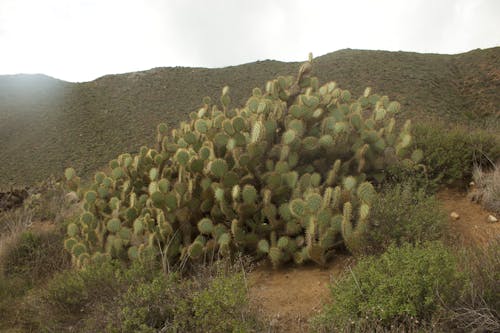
[[487, 188], [478, 310]]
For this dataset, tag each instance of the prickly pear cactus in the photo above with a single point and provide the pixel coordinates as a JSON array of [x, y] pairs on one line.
[[288, 175]]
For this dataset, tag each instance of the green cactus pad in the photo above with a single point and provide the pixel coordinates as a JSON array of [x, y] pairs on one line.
[[218, 167], [195, 250], [69, 243], [366, 192], [113, 225], [205, 226], [249, 194], [87, 218], [313, 202], [298, 207], [133, 253], [72, 230], [201, 126], [238, 123], [349, 183], [138, 226], [90, 197], [78, 249], [182, 156]]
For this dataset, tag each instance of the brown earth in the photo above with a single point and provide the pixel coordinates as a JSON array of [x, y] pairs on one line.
[[472, 227], [287, 298]]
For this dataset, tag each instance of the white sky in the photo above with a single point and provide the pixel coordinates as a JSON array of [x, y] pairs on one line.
[[80, 40]]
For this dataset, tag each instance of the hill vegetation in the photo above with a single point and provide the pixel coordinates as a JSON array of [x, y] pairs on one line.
[[300, 172], [47, 125]]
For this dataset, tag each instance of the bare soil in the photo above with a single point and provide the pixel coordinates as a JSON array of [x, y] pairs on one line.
[[472, 226], [286, 298]]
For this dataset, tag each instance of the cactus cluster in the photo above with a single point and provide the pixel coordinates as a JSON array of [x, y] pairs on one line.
[[289, 175]]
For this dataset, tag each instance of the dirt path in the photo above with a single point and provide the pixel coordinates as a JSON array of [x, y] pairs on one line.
[[472, 227], [289, 297]]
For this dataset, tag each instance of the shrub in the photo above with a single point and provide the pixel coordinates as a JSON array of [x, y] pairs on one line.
[[212, 299], [110, 297], [406, 284], [402, 214], [35, 255], [450, 153], [152, 305], [72, 290], [221, 307]]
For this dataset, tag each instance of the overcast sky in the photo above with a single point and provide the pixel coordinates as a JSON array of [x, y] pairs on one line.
[[80, 40]]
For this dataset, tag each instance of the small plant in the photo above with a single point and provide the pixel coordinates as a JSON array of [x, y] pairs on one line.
[[152, 305], [406, 284], [72, 290], [221, 306], [402, 214], [34, 256], [450, 153]]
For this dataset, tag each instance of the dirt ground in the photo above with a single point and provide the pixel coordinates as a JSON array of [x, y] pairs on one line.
[[472, 227], [288, 297]]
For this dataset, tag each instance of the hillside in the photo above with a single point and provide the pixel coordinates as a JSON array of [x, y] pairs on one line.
[[47, 124]]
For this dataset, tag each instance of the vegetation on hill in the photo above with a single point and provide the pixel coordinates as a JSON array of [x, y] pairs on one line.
[[298, 172], [47, 125]]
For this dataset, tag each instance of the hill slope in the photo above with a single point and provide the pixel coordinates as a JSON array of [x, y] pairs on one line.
[[47, 124]]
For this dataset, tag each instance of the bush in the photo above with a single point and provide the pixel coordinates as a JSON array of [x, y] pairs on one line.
[[212, 299], [35, 256], [401, 214], [449, 154], [150, 306], [109, 297], [221, 307], [406, 284], [72, 290]]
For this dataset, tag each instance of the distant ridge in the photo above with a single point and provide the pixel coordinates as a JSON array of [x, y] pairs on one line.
[[47, 124]]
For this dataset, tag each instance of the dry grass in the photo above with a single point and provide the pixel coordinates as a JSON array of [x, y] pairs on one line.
[[479, 308], [487, 188], [12, 224]]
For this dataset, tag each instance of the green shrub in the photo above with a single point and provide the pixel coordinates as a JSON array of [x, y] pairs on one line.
[[402, 214], [71, 290], [67, 291], [406, 284], [450, 153], [35, 256], [221, 307], [113, 298], [152, 305]]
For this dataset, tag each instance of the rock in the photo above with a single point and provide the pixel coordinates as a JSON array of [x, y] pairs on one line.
[[492, 219], [454, 215]]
